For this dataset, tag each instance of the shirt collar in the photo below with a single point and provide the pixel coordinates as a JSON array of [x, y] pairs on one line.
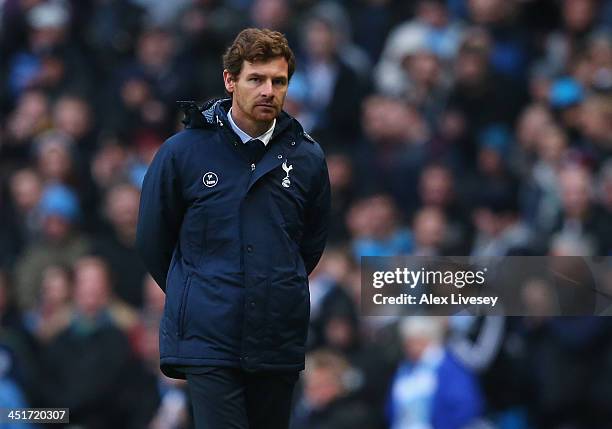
[[265, 137]]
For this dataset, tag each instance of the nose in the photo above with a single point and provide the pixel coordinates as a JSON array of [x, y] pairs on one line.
[[266, 88]]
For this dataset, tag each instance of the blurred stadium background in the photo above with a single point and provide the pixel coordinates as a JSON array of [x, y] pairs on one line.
[[452, 127]]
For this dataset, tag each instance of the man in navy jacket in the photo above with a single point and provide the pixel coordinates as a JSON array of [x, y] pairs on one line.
[[233, 218]]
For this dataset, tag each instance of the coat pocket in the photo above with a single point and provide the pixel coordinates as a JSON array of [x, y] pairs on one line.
[[288, 313], [183, 307]]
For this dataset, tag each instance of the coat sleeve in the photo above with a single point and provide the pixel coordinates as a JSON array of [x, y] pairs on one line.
[[316, 221], [161, 215]]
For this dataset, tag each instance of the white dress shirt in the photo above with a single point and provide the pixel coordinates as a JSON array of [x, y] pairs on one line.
[[265, 137]]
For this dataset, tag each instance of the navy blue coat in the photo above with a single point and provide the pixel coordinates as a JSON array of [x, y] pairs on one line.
[[232, 243]]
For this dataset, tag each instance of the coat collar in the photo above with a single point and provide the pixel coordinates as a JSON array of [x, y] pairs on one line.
[[213, 114]]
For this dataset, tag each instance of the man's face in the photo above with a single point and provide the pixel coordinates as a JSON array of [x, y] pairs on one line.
[[259, 90]]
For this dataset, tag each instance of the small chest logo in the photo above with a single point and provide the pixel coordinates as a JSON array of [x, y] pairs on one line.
[[286, 182], [210, 179]]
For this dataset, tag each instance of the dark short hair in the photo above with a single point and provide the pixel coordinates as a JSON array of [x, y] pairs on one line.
[[256, 44]]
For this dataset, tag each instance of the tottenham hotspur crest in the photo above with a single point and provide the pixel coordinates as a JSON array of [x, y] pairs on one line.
[[286, 182]]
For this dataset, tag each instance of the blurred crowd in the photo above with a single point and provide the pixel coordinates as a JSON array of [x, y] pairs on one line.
[[451, 127]]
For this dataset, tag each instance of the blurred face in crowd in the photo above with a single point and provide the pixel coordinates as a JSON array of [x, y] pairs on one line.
[[108, 163], [418, 333], [424, 68], [272, 14], [30, 116], [415, 346], [26, 190], [155, 49], [596, 120], [538, 298], [578, 14], [374, 122], [321, 386], [436, 186], [429, 227], [531, 122], [581, 68], [606, 186], [575, 184], [258, 93], [490, 162], [320, 40], [452, 125], [432, 12], [92, 286], [551, 144], [340, 172], [600, 51], [382, 216], [336, 264], [493, 222], [56, 228], [472, 63], [72, 116], [390, 121], [488, 11], [52, 73], [55, 287], [54, 159], [122, 208], [135, 92], [374, 217], [34, 104], [46, 37], [471, 67], [539, 87], [340, 333]]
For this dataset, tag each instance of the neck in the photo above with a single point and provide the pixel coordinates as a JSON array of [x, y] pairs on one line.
[[249, 126]]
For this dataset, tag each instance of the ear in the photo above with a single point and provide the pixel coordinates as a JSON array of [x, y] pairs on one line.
[[229, 81]]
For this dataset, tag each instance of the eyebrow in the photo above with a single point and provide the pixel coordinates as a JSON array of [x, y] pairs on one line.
[[259, 75]]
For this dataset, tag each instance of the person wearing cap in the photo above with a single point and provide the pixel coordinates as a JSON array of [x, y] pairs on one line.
[[61, 242], [233, 219], [565, 97]]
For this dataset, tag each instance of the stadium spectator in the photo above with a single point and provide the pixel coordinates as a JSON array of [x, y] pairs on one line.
[[117, 244], [327, 401], [430, 232], [53, 309], [579, 214], [430, 31], [438, 188], [376, 229], [30, 117], [335, 89], [392, 149], [97, 385], [60, 243], [22, 216], [431, 387]]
